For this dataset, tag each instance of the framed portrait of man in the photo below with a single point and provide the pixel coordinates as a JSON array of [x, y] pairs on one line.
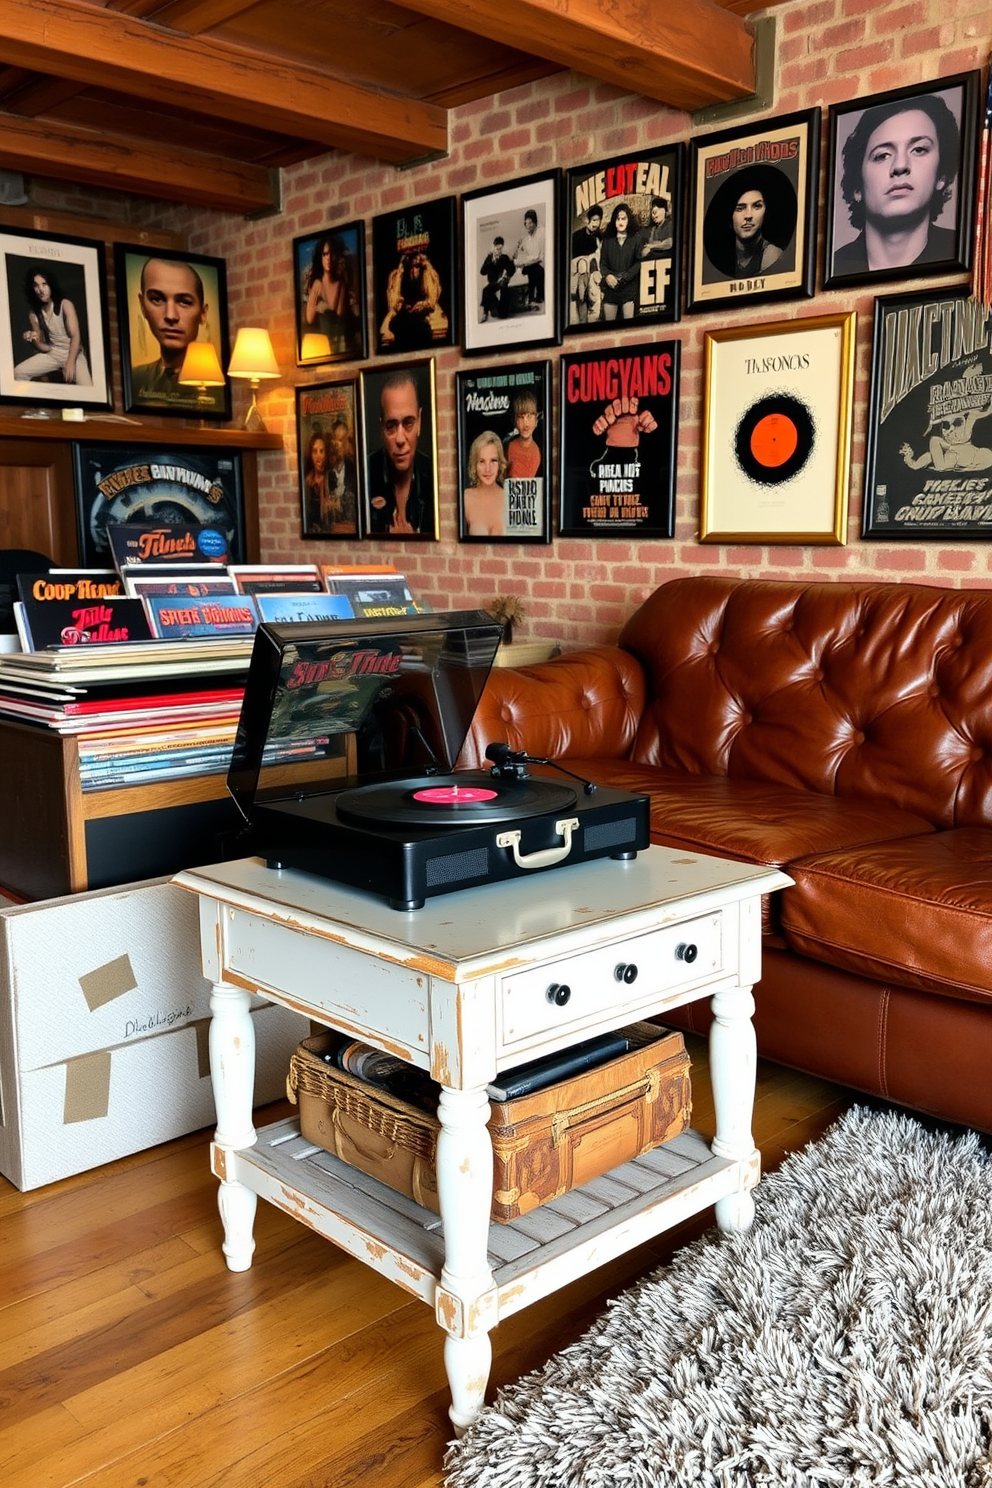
[[413, 276], [622, 232], [752, 194], [327, 441], [511, 292], [901, 181], [53, 321], [399, 419], [165, 301], [329, 283]]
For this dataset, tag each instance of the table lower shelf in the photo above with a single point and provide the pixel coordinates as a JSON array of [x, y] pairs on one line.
[[530, 1257]]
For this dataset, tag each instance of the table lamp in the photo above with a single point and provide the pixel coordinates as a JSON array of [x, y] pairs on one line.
[[201, 369], [253, 358]]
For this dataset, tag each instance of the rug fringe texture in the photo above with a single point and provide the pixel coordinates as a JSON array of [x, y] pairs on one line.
[[844, 1341]]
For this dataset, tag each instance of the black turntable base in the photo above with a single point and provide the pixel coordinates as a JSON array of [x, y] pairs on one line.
[[411, 839]]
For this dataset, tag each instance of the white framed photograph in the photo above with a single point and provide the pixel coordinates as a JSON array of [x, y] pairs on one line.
[[511, 292], [53, 321]]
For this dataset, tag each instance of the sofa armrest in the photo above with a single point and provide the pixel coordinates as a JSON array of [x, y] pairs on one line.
[[585, 705]]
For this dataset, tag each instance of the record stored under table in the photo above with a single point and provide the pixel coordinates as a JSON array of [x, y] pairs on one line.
[[470, 985]]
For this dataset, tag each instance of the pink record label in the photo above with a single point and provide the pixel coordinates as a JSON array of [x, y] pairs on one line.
[[455, 795]]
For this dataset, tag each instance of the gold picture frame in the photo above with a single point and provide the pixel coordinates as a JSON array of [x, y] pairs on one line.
[[777, 431]]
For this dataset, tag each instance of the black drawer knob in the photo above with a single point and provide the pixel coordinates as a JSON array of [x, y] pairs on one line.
[[686, 952], [559, 993], [625, 972]]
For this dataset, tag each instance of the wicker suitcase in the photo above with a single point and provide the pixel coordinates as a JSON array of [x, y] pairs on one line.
[[543, 1144]]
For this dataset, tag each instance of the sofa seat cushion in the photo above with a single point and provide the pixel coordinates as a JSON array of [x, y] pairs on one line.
[[916, 912], [756, 821]]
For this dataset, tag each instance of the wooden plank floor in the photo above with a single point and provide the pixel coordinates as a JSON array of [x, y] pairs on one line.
[[131, 1358]]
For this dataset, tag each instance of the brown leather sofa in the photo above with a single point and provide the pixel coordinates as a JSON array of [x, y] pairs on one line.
[[843, 732]]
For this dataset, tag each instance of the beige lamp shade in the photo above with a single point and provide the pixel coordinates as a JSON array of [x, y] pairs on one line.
[[315, 346], [253, 356], [201, 365]]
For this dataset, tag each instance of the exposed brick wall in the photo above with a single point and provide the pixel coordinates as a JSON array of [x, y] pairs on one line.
[[582, 590]]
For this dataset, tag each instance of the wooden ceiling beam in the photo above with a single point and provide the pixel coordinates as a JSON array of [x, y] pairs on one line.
[[43, 148], [685, 53], [105, 49], [190, 16]]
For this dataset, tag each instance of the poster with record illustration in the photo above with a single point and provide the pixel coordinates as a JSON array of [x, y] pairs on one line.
[[752, 195], [618, 438], [928, 467], [777, 432]]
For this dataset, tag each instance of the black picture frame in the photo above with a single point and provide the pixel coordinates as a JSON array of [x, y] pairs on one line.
[[770, 167], [330, 488], [385, 397], [647, 264], [414, 278], [338, 313], [186, 298], [516, 305], [619, 435], [32, 367], [926, 477], [508, 409], [949, 237], [144, 483]]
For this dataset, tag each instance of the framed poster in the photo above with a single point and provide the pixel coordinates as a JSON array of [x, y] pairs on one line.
[[901, 182], [504, 454], [777, 431], [622, 232], [413, 278], [618, 439], [329, 285], [752, 195], [510, 280], [53, 321], [165, 300], [327, 443], [928, 461], [399, 421], [117, 484]]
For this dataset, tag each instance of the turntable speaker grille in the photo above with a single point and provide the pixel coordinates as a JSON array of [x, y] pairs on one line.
[[610, 834], [453, 867]]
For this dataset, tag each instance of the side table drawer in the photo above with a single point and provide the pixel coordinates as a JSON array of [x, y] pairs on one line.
[[579, 988]]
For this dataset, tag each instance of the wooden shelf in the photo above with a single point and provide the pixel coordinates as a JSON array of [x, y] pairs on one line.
[[109, 431]]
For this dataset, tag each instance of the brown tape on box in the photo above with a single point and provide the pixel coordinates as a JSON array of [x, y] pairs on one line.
[[87, 1087], [111, 980]]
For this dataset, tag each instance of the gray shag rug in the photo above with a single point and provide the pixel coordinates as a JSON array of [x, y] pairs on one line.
[[844, 1341]]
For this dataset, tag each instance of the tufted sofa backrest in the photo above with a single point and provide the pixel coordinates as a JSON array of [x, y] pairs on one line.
[[865, 689]]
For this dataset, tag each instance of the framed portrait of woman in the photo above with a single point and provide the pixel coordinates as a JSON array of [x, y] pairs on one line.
[[53, 321], [329, 281], [752, 197], [413, 278], [901, 182], [504, 453], [327, 437], [165, 301]]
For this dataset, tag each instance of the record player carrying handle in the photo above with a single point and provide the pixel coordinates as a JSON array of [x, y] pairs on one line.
[[548, 856]]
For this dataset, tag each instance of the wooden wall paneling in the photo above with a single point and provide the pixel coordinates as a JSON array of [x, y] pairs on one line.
[[37, 501]]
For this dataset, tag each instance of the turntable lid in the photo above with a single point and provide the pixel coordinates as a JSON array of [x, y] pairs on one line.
[[347, 702]]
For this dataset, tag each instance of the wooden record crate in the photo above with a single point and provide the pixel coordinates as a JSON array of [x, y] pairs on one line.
[[543, 1144]]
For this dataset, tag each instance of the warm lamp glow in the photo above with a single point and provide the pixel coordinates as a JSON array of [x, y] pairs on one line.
[[315, 346], [253, 358], [201, 369]]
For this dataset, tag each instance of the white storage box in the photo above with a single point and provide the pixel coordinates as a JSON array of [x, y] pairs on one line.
[[103, 1030]]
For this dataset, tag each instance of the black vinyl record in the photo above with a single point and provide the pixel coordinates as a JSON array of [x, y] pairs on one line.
[[774, 439], [469, 798]]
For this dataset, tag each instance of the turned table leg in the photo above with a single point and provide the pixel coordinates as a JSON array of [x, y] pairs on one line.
[[232, 1073], [466, 1297], [733, 1064]]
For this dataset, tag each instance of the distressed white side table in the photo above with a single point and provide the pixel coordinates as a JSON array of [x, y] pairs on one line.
[[476, 982]]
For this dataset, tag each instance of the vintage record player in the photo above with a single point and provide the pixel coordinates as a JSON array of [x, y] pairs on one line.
[[343, 764]]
